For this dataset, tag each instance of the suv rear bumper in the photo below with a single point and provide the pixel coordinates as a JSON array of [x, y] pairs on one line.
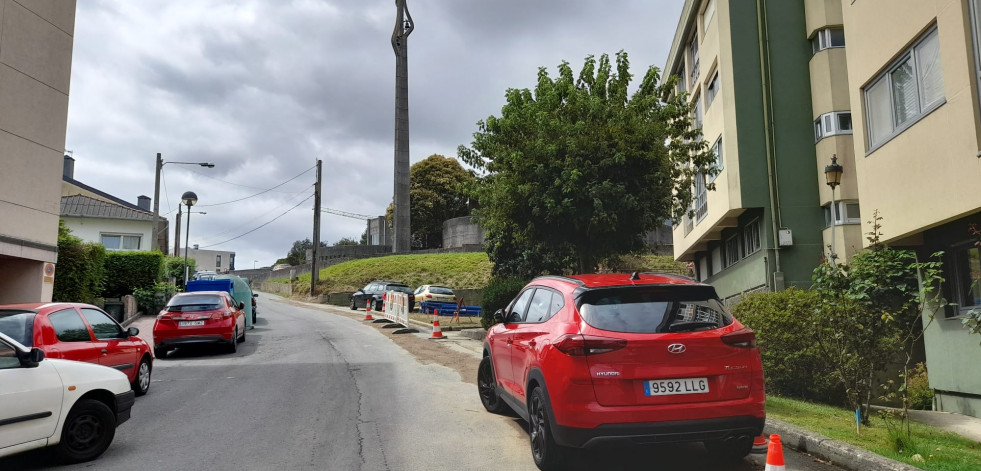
[[660, 432]]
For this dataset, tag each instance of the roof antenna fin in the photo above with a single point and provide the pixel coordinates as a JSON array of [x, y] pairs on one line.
[[635, 276]]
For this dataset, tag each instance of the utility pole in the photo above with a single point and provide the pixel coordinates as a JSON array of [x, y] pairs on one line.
[[177, 234], [314, 273], [400, 42], [154, 244]]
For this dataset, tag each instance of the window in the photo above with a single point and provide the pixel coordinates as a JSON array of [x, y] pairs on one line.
[[701, 197], [976, 36], [69, 327], [218, 261], [638, 310], [121, 242], [708, 14], [689, 224], [732, 250], [693, 60], [967, 277], [712, 89], [8, 357], [830, 124], [845, 213], [751, 237], [102, 325], [541, 304], [908, 90], [18, 325], [682, 79], [828, 38], [517, 311], [696, 120], [719, 164]]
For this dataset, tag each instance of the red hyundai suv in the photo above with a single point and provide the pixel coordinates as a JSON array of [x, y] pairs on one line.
[[636, 358]]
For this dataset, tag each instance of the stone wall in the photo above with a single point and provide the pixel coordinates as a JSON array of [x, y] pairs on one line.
[[460, 232]]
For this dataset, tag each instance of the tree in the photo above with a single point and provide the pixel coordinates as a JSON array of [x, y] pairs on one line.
[[298, 253], [437, 192], [345, 242], [577, 172]]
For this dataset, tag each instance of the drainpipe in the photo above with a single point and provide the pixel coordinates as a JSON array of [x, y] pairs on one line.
[[762, 28]]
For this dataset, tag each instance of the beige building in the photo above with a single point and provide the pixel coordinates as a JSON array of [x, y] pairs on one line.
[[913, 71], [36, 39]]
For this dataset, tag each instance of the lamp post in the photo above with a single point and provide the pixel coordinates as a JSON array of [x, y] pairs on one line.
[[833, 175], [188, 198], [253, 264], [154, 245]]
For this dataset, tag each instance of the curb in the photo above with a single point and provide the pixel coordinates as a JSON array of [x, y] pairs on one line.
[[838, 453]]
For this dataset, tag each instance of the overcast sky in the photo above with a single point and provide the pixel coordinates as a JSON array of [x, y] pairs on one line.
[[264, 88]]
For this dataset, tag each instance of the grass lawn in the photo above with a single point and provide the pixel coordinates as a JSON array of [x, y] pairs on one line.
[[940, 450], [447, 321]]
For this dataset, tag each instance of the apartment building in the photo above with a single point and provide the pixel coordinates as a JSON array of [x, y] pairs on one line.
[[36, 40], [913, 70], [887, 90]]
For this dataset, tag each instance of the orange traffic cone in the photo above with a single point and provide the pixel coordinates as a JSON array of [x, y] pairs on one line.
[[774, 455], [437, 332], [367, 311], [760, 444], [384, 302]]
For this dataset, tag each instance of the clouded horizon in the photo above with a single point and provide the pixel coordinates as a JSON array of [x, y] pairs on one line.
[[263, 88]]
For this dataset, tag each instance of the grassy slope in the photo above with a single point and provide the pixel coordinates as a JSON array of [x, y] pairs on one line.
[[470, 270]]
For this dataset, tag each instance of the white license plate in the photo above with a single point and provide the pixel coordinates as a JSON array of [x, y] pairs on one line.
[[668, 387], [190, 323]]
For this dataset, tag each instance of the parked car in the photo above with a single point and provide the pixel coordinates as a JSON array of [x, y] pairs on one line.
[[72, 406], [638, 358], [254, 312], [374, 293], [199, 317], [434, 293], [80, 332]]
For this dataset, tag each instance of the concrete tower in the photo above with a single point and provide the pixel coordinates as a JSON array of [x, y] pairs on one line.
[[400, 40]]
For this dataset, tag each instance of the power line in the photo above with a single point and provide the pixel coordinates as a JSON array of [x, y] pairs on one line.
[[261, 216], [260, 227], [259, 193], [224, 181], [345, 213]]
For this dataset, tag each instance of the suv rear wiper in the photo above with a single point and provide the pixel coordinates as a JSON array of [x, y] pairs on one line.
[[694, 325]]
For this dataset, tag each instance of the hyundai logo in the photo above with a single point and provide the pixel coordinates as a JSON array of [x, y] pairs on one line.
[[677, 348]]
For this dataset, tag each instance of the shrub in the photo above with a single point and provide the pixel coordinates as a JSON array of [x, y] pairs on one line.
[[152, 300], [80, 272], [128, 271], [174, 268], [792, 363], [498, 293]]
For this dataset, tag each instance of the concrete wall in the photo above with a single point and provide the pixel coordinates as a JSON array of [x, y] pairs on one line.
[[36, 40], [206, 259], [459, 232], [91, 229]]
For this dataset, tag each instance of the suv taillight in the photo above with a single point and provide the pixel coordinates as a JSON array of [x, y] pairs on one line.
[[745, 338], [580, 345]]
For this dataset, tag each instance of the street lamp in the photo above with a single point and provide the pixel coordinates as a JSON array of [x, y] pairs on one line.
[[177, 231], [253, 264], [833, 175], [188, 198], [154, 245]]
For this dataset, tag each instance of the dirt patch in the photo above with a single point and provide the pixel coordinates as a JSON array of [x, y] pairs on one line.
[[425, 350]]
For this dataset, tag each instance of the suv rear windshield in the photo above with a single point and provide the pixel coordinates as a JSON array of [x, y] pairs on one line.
[[653, 309], [18, 325], [195, 302], [399, 288]]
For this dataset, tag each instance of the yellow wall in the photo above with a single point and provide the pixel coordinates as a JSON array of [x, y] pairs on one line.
[[927, 174]]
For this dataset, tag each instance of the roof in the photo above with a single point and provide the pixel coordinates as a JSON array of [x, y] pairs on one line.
[[623, 279], [87, 207], [101, 193]]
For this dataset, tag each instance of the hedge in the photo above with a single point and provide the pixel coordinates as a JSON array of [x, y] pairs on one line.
[[498, 293], [128, 271], [79, 274]]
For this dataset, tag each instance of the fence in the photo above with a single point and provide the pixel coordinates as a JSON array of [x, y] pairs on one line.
[[397, 312]]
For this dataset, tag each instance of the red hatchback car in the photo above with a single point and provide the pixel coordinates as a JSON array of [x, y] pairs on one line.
[[199, 317], [636, 358], [80, 332]]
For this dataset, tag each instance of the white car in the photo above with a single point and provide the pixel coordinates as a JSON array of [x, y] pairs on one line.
[[71, 405]]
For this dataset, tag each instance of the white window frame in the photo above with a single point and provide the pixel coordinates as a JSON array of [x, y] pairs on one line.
[[752, 238], [830, 124], [719, 162], [122, 238], [693, 60], [708, 14], [885, 78], [732, 250], [218, 261], [822, 40], [697, 112], [701, 197], [712, 89], [841, 214], [975, 18]]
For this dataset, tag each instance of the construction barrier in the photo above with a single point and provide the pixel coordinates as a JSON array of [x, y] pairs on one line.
[[397, 311]]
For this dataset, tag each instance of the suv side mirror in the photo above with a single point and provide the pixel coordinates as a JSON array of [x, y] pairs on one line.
[[499, 316], [255, 295], [133, 331], [241, 305]]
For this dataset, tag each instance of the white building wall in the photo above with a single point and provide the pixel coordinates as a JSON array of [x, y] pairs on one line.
[[91, 229]]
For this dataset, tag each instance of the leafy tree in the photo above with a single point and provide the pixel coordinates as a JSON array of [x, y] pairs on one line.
[[345, 241], [298, 253], [577, 171], [437, 192]]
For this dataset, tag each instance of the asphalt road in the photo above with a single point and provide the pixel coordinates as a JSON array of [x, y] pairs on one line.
[[319, 391]]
